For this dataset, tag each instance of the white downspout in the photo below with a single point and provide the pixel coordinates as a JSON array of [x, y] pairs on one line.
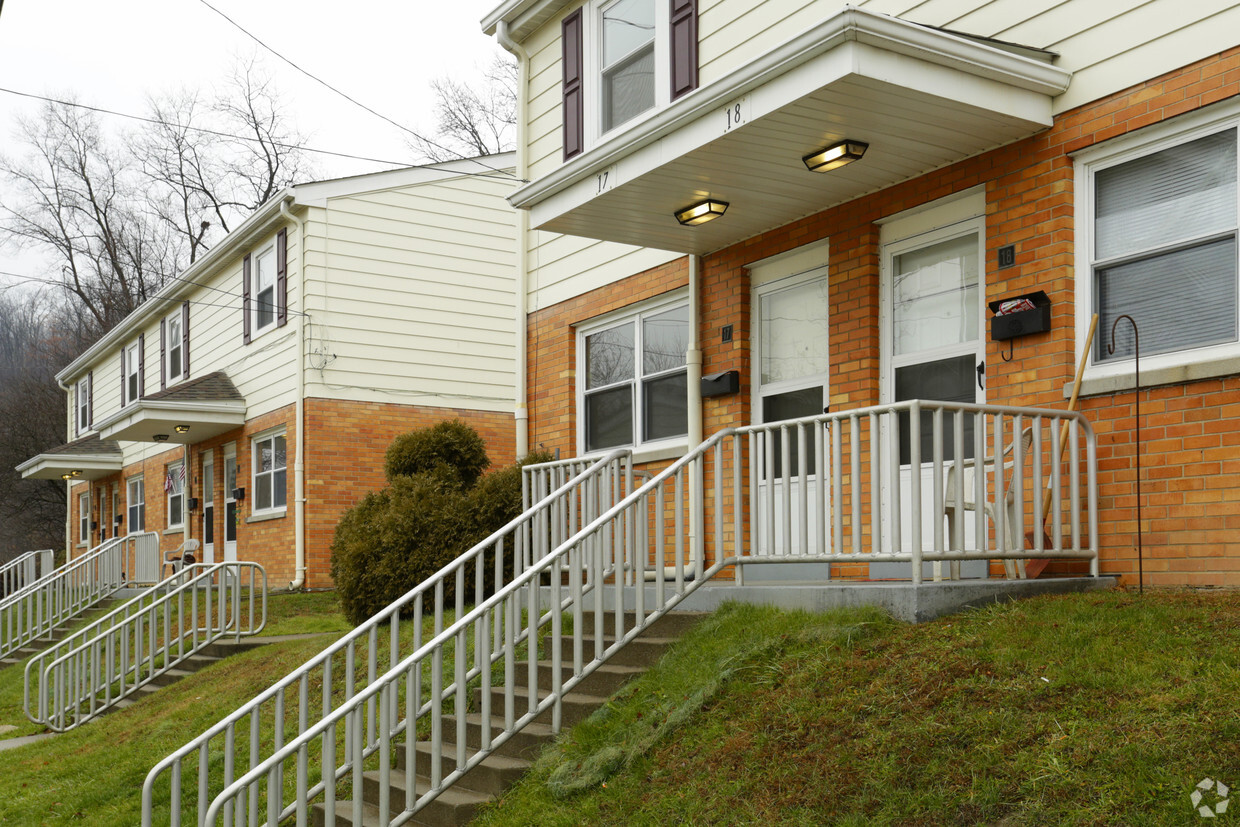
[[299, 462], [521, 414]]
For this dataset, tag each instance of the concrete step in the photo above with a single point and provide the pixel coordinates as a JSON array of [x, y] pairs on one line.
[[641, 652], [603, 681], [524, 744], [575, 707], [491, 776], [454, 806]]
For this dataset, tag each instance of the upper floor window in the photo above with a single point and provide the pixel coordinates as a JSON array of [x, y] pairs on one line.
[[622, 58], [633, 378], [265, 288], [1162, 247], [174, 345], [132, 386], [82, 413]]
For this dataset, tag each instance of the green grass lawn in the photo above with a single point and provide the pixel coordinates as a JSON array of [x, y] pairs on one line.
[[1105, 708]]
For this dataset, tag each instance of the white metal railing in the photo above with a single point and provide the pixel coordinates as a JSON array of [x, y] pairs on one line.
[[38, 609], [677, 518], [23, 570], [110, 659], [343, 670]]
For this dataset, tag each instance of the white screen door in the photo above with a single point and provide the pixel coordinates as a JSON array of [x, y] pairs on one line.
[[208, 507], [933, 348], [230, 506], [791, 367]]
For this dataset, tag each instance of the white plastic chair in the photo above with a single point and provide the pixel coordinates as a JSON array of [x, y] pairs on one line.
[[179, 557], [1010, 538]]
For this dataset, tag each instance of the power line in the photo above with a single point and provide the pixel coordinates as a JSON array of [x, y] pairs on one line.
[[347, 97]]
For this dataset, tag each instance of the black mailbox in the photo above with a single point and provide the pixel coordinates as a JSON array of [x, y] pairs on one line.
[[1022, 322], [721, 384]]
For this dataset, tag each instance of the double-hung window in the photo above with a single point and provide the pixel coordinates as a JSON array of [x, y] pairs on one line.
[[1162, 246], [632, 389], [135, 494], [131, 362], [174, 345], [82, 412], [270, 474], [627, 70], [264, 290], [174, 487], [84, 519]]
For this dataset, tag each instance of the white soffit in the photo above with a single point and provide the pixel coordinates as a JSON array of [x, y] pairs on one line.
[[144, 419], [921, 98]]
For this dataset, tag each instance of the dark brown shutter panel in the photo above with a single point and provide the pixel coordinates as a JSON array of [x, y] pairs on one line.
[[282, 277], [77, 409], [684, 47], [163, 354], [245, 300], [90, 399], [574, 72], [184, 340], [124, 384], [141, 365]]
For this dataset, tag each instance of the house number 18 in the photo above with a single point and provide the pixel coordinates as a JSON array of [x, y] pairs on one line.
[[734, 115]]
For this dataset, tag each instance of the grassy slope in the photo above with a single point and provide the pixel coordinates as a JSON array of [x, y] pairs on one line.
[[1091, 709], [95, 773]]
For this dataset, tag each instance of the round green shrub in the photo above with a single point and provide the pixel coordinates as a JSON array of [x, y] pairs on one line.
[[449, 445]]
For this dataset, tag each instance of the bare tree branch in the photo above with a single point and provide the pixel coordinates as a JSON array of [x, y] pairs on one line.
[[473, 121]]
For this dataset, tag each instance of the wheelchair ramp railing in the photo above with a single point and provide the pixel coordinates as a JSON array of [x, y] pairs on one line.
[[21, 571], [90, 670], [40, 608], [193, 774], [684, 526]]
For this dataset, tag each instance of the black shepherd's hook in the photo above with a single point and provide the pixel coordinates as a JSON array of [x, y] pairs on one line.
[[1136, 344]]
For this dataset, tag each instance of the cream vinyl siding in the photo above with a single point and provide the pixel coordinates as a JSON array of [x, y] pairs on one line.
[[1108, 45], [563, 266], [412, 292]]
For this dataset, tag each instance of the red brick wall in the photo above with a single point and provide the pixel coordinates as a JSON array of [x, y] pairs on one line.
[[1190, 432], [345, 446]]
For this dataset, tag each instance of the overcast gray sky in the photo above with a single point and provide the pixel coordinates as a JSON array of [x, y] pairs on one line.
[[112, 54]]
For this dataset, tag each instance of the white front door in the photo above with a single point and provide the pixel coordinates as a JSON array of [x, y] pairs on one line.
[[230, 505], [933, 348], [791, 366], [208, 507]]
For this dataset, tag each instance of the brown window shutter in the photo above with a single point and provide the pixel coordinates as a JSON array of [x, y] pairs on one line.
[[124, 384], [282, 277], [184, 340], [90, 399], [141, 365], [77, 409], [574, 102], [245, 300], [163, 354], [684, 47]]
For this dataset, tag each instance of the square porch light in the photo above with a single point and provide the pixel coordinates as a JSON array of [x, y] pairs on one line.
[[835, 156], [701, 212]]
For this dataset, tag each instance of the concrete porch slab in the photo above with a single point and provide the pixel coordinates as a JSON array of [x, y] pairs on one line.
[[913, 604]]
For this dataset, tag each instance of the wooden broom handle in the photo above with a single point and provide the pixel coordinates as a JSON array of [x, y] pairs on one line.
[[1076, 390]]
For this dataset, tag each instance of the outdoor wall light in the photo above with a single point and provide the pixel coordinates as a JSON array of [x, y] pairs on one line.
[[160, 437], [66, 476], [835, 156], [701, 212], [76, 473], [182, 429]]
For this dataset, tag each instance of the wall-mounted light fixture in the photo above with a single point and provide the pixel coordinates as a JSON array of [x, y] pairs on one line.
[[835, 156], [160, 437], [182, 429], [701, 212]]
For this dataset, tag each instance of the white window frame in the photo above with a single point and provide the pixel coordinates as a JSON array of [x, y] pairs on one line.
[[1163, 368], [255, 474], [82, 413], [176, 493], [263, 261], [84, 519], [136, 483], [592, 19], [174, 368], [133, 365], [643, 450]]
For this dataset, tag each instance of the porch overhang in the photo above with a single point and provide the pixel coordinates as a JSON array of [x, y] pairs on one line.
[[186, 414], [922, 98], [89, 458]]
